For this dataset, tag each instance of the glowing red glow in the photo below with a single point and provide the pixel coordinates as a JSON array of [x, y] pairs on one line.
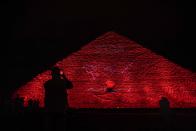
[[109, 83], [139, 77]]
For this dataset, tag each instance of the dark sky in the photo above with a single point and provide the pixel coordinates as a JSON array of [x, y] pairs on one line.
[[38, 33]]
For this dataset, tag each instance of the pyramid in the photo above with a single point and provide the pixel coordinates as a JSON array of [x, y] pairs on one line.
[[115, 72]]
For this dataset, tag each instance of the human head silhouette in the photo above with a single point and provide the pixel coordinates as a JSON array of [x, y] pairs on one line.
[[164, 98], [164, 103], [55, 72]]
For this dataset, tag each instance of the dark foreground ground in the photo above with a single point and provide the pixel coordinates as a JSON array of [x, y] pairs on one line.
[[102, 120]]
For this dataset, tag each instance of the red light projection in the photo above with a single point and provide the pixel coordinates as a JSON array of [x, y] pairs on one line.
[[137, 77], [109, 83]]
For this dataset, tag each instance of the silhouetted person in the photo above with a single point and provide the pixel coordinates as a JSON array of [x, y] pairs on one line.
[[56, 102], [164, 104], [56, 91], [33, 105], [165, 112], [18, 104]]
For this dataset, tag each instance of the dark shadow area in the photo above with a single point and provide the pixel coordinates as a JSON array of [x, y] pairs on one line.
[[100, 120]]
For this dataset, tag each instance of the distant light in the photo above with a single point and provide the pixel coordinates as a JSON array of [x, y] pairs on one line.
[[110, 83], [61, 72]]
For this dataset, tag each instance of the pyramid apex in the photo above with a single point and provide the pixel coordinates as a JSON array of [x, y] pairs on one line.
[[109, 34], [112, 35]]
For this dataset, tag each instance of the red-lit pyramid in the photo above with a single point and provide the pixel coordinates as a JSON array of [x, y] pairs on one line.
[[115, 72]]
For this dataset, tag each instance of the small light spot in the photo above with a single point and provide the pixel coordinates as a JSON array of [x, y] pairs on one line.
[[110, 83]]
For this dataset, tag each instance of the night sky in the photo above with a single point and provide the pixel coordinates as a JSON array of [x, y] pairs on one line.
[[38, 33]]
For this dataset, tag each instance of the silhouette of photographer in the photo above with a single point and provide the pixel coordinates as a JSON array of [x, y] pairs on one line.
[[56, 102], [56, 91], [165, 113]]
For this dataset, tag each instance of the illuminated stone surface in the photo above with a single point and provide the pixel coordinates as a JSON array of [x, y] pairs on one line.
[[138, 77]]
